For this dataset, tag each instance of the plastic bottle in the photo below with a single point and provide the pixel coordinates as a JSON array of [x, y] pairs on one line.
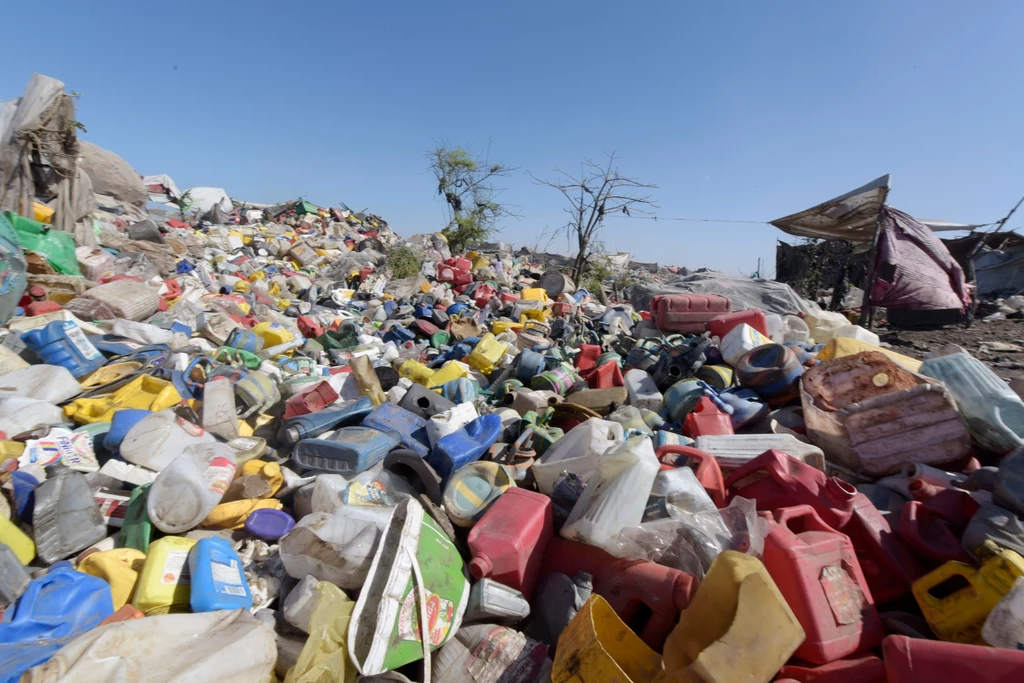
[[335, 548], [188, 489], [164, 584], [705, 419], [616, 495], [119, 568], [95, 263], [64, 344], [136, 529], [156, 440], [269, 524], [643, 392], [423, 402], [735, 450], [348, 451], [508, 542], [218, 579], [464, 446], [723, 324], [14, 578], [387, 417], [578, 451], [128, 299], [495, 603], [219, 416], [66, 518], [822, 325], [740, 341]]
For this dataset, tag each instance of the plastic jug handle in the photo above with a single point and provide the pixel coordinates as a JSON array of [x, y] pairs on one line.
[[784, 515], [924, 585]]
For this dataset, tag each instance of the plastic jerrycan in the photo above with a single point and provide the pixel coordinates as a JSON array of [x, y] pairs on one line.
[[188, 489], [706, 419], [721, 325], [218, 578], [146, 392], [646, 595], [313, 425], [388, 417], [14, 538], [63, 343], [913, 660], [509, 541], [862, 669], [738, 627], [956, 598], [487, 354], [597, 647], [14, 577], [817, 572], [136, 529], [348, 451], [219, 414], [119, 568], [157, 439], [464, 446], [887, 564], [704, 465], [338, 548], [66, 518], [642, 391], [164, 584]]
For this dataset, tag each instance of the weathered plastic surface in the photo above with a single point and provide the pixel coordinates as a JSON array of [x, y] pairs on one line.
[[53, 383], [914, 660], [163, 586], [1004, 627], [688, 313], [773, 371], [993, 412], [66, 518], [188, 489], [578, 451], [597, 647], [155, 441], [388, 417], [64, 344], [313, 425], [23, 547], [495, 602], [735, 450], [335, 548], [349, 451], [473, 488], [872, 416], [464, 446], [817, 572], [996, 524], [509, 541], [128, 299], [14, 577]]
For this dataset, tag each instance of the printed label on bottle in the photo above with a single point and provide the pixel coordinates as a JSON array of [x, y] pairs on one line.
[[80, 341], [175, 569], [227, 577], [219, 474], [190, 429]]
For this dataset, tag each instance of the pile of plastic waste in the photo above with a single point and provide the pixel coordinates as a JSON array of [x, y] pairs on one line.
[[245, 451]]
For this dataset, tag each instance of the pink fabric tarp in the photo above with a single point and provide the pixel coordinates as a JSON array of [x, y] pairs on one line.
[[914, 269]]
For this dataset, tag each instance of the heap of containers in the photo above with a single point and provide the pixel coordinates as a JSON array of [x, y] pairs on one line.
[[265, 458]]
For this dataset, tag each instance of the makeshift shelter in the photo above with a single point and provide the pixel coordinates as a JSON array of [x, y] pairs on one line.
[[909, 267], [161, 189], [996, 260]]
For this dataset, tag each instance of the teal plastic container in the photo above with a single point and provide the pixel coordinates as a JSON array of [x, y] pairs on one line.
[[218, 579], [347, 452]]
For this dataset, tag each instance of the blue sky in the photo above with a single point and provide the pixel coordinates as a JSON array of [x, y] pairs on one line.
[[743, 109]]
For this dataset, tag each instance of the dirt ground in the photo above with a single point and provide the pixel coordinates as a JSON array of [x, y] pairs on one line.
[[999, 343]]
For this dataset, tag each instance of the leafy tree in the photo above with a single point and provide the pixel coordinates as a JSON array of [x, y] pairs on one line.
[[467, 185]]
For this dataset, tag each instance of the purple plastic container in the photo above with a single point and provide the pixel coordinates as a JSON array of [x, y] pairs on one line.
[[269, 524]]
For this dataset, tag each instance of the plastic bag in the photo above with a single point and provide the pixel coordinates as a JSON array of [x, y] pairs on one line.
[[324, 658]]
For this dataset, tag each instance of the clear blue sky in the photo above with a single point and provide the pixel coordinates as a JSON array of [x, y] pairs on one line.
[[740, 109]]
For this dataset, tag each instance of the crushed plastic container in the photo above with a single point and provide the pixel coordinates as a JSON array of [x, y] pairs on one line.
[[66, 518], [156, 440]]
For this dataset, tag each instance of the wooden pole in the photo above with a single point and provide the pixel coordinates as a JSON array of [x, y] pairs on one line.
[[866, 310]]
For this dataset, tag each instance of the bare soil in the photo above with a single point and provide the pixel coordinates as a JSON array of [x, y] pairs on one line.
[[999, 343]]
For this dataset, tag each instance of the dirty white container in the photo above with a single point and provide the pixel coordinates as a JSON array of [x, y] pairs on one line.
[[299, 605], [857, 332], [822, 325], [335, 548], [739, 341], [642, 391], [128, 299], [95, 264], [525, 400], [66, 518], [10, 361], [53, 383], [616, 496], [327, 492], [19, 414], [732, 451], [188, 489], [1004, 627], [495, 603], [219, 416], [794, 329], [450, 421], [578, 451], [143, 333], [157, 439]]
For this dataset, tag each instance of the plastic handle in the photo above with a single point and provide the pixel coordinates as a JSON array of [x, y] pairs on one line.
[[784, 515], [709, 474]]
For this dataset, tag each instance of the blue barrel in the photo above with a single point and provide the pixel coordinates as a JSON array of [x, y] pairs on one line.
[[411, 428], [773, 371], [348, 451], [464, 446], [218, 580], [528, 365], [63, 343]]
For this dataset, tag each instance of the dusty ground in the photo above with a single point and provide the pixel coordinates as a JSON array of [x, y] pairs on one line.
[[999, 343]]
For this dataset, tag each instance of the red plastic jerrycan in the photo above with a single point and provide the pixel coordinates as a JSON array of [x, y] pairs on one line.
[[775, 480], [929, 535], [687, 313], [310, 400], [709, 474], [483, 294], [857, 670], [605, 376], [706, 419], [817, 572], [309, 327], [509, 541], [647, 596], [587, 357], [915, 660], [721, 325], [955, 506]]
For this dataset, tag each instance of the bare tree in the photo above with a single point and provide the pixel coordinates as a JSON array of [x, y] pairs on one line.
[[599, 190], [466, 183]]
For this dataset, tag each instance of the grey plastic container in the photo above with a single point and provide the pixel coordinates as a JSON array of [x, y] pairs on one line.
[[496, 603], [14, 578], [348, 451], [66, 518]]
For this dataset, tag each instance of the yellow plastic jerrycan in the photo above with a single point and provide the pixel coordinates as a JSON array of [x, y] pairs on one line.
[[233, 515], [15, 539], [956, 598], [417, 372], [143, 392], [487, 353], [119, 567], [273, 334], [534, 294], [164, 586], [738, 627], [108, 374], [499, 326], [597, 647], [453, 369]]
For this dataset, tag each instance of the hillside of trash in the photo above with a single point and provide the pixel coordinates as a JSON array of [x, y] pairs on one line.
[[234, 446]]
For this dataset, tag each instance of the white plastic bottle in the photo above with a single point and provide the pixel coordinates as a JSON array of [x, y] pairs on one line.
[[158, 439], [219, 416], [52, 383], [642, 391], [616, 495], [578, 451], [739, 341], [188, 489], [450, 421]]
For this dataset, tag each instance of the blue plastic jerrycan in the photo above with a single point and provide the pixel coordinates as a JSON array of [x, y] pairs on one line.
[[464, 446], [347, 452], [54, 609], [312, 425], [247, 340], [388, 417], [218, 580], [120, 424], [63, 343]]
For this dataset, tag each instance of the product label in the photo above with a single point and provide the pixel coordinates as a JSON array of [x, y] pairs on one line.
[[373, 495], [113, 506], [74, 449], [506, 656], [80, 341], [440, 613], [219, 474], [190, 429], [176, 569], [227, 577], [843, 594]]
